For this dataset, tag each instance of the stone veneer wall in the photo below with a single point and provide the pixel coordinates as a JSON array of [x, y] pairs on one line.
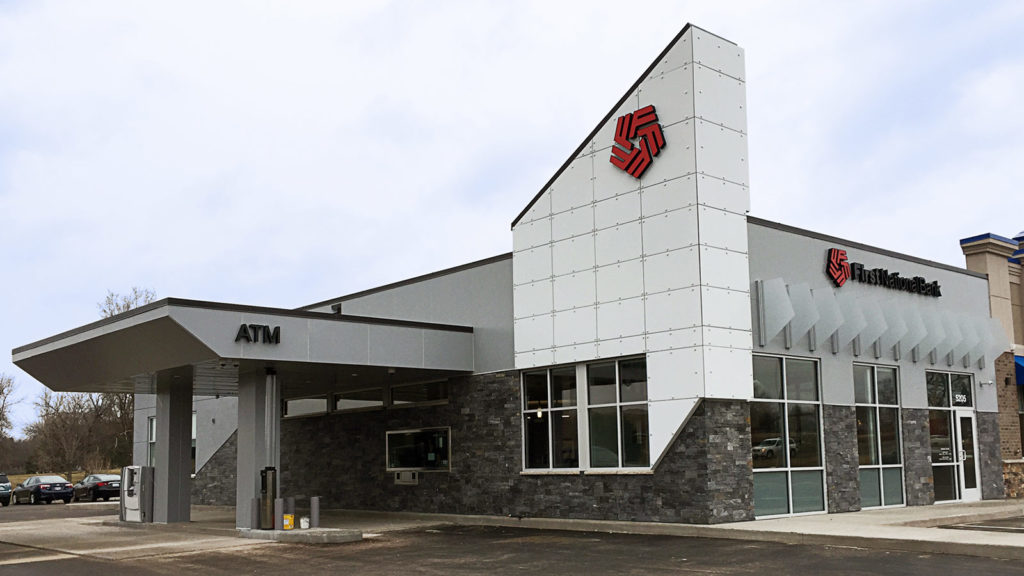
[[1013, 478], [989, 462], [841, 458], [215, 481], [917, 457], [706, 476]]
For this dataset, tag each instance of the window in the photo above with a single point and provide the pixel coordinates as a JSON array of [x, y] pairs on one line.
[[422, 393], [305, 406], [426, 449], [617, 393], [151, 440], [600, 406], [359, 400], [550, 419], [876, 392], [785, 435]]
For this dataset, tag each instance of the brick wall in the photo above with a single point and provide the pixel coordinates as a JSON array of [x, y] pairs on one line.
[[1009, 421]]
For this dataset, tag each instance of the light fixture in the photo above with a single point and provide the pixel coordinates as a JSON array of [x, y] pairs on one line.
[[986, 383], [539, 413]]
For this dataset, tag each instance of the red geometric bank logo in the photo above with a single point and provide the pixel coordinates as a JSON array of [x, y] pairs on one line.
[[636, 158], [837, 268]]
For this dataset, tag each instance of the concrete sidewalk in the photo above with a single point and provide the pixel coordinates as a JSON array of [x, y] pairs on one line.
[[912, 529]]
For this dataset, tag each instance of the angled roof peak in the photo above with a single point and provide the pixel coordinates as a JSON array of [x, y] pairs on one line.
[[586, 140]]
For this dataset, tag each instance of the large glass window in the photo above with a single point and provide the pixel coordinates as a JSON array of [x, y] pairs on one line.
[[612, 424], [785, 433], [876, 392], [617, 393]]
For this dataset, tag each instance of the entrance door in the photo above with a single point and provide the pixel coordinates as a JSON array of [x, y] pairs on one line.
[[966, 456]]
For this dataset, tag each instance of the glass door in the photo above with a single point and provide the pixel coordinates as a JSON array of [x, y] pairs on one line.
[[966, 455]]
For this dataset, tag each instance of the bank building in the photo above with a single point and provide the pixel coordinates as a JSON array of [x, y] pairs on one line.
[[648, 351]]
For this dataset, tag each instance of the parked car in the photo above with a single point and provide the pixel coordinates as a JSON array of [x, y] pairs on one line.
[[38, 489], [98, 486], [5, 490], [769, 446]]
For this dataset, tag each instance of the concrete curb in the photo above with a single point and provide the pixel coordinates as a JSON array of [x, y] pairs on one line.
[[743, 534], [308, 536]]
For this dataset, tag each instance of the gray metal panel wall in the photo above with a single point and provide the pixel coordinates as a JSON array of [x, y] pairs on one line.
[[480, 297], [801, 259]]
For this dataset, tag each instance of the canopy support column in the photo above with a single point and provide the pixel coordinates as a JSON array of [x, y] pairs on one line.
[[259, 432], [172, 483]]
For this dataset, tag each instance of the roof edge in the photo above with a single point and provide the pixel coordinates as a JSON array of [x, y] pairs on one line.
[[861, 246], [224, 306], [413, 280], [987, 236], [590, 136]]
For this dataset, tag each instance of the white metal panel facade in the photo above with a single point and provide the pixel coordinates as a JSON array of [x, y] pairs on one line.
[[644, 265]]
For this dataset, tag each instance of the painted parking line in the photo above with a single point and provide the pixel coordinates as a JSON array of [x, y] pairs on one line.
[[32, 559]]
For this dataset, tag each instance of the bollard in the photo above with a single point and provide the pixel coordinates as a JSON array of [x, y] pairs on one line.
[[289, 505], [254, 514], [278, 513], [314, 512]]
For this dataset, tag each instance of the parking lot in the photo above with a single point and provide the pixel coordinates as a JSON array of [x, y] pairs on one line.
[[72, 540]]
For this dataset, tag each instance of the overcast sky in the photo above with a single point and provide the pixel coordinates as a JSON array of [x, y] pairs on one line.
[[280, 154]]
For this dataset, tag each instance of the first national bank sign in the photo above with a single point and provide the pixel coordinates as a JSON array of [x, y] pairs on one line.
[[839, 269]]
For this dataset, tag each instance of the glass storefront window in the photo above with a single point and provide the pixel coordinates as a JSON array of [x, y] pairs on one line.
[[876, 392], [785, 435], [614, 417]]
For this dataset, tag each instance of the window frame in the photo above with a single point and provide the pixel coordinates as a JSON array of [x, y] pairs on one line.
[[151, 441], [390, 394], [387, 449], [284, 406], [876, 405], [788, 469], [950, 409], [582, 409], [332, 404]]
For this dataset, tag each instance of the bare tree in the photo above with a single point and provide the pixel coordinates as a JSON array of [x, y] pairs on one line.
[[71, 431], [7, 402], [122, 405], [115, 303]]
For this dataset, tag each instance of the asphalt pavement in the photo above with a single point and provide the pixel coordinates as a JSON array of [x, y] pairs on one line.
[[78, 539]]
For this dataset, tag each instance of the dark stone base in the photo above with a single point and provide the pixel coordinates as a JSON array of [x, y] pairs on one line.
[[989, 460], [215, 483], [704, 477], [841, 458], [917, 462]]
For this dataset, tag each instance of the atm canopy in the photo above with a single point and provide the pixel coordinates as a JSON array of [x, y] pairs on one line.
[[217, 341]]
